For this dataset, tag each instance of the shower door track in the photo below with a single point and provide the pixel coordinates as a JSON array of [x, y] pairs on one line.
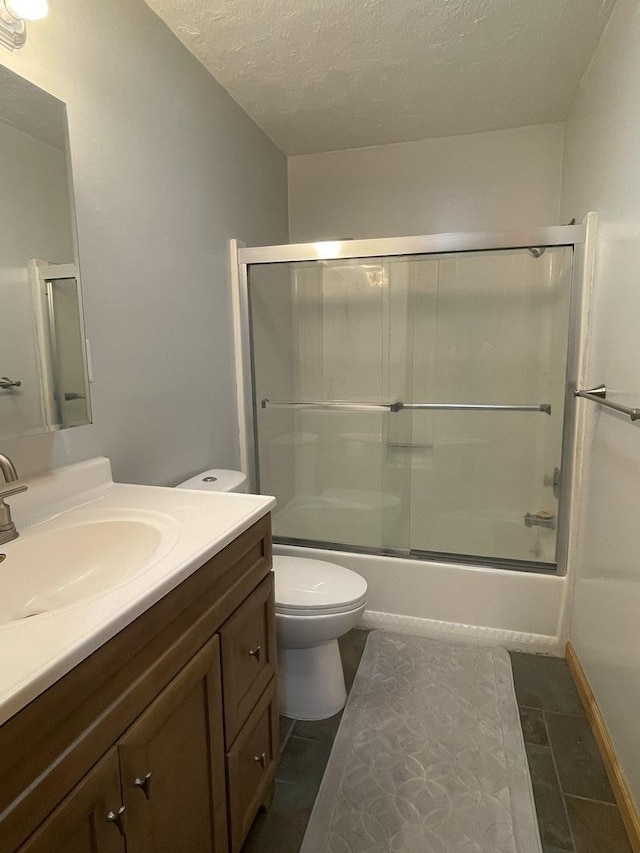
[[432, 244], [538, 567]]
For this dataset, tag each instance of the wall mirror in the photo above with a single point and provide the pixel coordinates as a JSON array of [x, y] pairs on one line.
[[44, 383]]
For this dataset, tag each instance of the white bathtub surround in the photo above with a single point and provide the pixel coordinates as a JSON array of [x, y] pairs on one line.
[[520, 610], [190, 528]]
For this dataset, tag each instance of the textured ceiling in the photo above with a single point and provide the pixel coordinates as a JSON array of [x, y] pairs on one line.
[[323, 75]]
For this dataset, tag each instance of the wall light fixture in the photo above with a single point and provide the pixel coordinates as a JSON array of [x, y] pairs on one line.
[[13, 14]]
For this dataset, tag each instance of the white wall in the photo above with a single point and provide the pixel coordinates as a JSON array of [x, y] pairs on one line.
[[478, 182], [166, 169], [602, 172]]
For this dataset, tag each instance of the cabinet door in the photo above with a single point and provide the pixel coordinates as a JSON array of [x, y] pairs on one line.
[[172, 765], [80, 823]]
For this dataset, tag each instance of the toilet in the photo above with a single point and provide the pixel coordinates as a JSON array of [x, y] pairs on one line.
[[316, 603]]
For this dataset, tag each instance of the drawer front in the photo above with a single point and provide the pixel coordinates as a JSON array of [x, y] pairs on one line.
[[251, 765], [248, 644]]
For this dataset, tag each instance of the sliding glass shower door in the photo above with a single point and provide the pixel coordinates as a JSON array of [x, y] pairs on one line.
[[414, 404], [324, 396]]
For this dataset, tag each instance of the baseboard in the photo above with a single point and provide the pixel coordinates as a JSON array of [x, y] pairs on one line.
[[626, 804], [515, 640]]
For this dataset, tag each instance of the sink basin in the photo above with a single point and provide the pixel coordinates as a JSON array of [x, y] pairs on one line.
[[60, 567]]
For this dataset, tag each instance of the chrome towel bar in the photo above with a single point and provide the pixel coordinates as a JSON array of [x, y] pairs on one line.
[[599, 395], [344, 405]]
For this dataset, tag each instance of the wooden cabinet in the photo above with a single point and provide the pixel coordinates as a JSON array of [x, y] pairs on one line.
[[172, 765], [165, 739], [251, 764], [79, 823], [248, 641]]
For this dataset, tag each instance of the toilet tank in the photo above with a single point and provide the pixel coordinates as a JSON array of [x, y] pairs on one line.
[[217, 480]]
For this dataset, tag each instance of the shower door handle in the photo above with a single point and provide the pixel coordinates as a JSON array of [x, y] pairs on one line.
[[332, 405], [398, 406], [478, 407]]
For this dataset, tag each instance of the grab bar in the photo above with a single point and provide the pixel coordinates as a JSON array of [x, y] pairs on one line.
[[344, 405], [599, 394]]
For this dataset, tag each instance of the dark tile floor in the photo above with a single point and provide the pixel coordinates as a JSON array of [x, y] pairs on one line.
[[574, 801]]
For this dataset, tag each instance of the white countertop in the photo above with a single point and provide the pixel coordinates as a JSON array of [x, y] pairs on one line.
[[35, 652]]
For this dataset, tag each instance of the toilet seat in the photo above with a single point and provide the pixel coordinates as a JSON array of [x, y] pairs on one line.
[[316, 587]]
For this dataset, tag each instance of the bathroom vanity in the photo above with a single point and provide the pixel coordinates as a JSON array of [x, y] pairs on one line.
[[165, 736]]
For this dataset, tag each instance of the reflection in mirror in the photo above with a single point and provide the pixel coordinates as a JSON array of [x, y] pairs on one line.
[[43, 366]]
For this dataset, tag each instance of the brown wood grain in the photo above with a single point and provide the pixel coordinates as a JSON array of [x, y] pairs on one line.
[[248, 781], [48, 746], [78, 825], [248, 645], [624, 799], [178, 740]]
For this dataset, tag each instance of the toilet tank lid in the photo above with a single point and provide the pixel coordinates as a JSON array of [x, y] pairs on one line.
[[216, 480], [301, 582]]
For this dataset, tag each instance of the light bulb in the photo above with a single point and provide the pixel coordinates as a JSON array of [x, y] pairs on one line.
[[28, 10]]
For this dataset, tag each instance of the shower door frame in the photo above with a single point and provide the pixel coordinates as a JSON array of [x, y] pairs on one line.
[[574, 236]]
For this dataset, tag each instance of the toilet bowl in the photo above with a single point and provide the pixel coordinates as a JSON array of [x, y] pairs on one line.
[[316, 603]]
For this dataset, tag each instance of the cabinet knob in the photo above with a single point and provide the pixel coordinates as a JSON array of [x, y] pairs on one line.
[[117, 819], [261, 759], [255, 653], [144, 783]]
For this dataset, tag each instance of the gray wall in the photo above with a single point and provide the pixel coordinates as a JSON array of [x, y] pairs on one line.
[[167, 168], [34, 223], [478, 182]]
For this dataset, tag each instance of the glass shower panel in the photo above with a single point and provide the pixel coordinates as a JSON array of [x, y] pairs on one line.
[[414, 404], [322, 341], [490, 329]]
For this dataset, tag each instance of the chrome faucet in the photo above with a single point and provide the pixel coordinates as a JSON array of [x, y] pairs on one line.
[[7, 527]]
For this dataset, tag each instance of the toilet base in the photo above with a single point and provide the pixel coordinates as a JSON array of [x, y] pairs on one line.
[[311, 682]]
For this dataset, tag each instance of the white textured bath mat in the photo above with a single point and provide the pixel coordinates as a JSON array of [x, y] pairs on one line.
[[429, 757]]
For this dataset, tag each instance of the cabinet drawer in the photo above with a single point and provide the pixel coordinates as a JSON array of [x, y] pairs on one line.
[[251, 764], [248, 645]]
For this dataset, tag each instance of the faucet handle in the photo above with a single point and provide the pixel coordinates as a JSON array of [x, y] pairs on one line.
[[5, 493]]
